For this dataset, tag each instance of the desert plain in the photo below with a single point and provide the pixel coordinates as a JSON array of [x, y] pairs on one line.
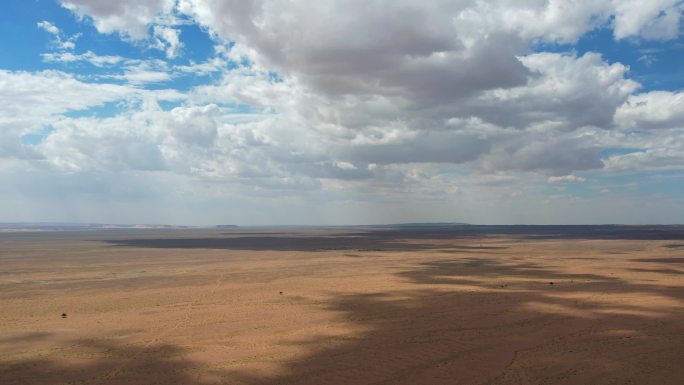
[[358, 305]]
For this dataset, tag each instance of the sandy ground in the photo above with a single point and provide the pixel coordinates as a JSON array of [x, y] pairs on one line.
[[339, 307]]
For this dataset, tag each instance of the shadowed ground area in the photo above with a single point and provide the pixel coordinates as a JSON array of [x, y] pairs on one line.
[[496, 309], [394, 238]]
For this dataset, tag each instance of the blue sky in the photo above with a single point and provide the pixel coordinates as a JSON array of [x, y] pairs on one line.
[[654, 64], [196, 112]]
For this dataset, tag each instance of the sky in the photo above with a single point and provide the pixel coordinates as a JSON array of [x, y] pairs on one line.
[[338, 112]]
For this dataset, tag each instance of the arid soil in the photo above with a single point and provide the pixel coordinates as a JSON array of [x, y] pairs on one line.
[[343, 306]]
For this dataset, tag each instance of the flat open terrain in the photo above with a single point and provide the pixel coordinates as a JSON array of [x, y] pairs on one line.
[[403, 305]]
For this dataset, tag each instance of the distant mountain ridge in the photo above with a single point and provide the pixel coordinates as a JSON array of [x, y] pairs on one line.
[[426, 224]]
